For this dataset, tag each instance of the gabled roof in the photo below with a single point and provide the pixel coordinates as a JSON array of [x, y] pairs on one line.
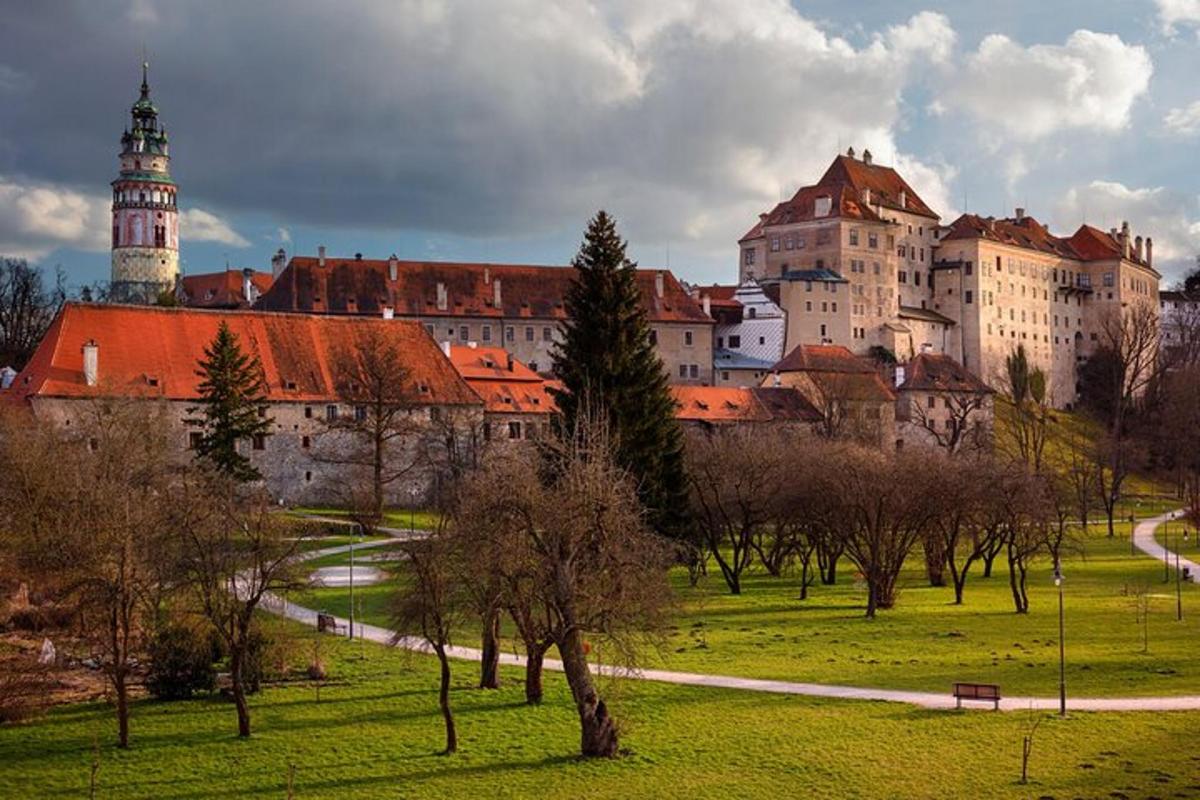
[[937, 372], [490, 363], [222, 289], [1086, 244], [147, 351], [926, 314], [365, 287], [728, 404], [823, 358], [505, 384], [844, 201], [884, 183]]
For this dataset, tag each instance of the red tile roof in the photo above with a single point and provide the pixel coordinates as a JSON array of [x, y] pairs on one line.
[[364, 287], [885, 184], [505, 384], [222, 289], [153, 352], [937, 372], [728, 404], [858, 376], [844, 202], [1086, 244]]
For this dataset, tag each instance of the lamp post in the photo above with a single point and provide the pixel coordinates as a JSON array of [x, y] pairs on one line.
[[1179, 579], [1062, 650], [350, 630]]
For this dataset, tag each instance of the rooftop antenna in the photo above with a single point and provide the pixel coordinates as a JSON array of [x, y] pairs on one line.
[[668, 255]]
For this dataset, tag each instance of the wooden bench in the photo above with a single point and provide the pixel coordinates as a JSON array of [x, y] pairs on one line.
[[986, 692], [327, 622]]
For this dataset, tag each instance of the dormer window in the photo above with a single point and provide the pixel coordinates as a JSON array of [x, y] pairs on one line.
[[822, 206]]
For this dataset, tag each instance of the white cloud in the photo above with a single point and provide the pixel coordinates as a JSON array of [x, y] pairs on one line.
[[1170, 218], [284, 235], [35, 218], [198, 225], [1088, 83], [38, 217], [1172, 13], [1184, 121]]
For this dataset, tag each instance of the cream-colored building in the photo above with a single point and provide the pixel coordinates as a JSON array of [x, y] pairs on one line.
[[861, 261]]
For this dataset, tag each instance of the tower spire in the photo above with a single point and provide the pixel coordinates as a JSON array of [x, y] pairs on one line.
[[145, 79]]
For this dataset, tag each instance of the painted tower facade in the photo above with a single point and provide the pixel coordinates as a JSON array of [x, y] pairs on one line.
[[145, 215]]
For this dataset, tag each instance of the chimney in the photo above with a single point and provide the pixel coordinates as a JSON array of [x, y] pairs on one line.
[[358, 256], [321, 255], [867, 157], [1020, 214], [389, 312], [850, 152], [393, 268], [1125, 239], [442, 299], [91, 362], [707, 303], [903, 199], [248, 285], [899, 375], [487, 276], [866, 196], [510, 362], [776, 381], [1149, 252], [658, 284], [278, 262], [1137, 247], [446, 348], [496, 293]]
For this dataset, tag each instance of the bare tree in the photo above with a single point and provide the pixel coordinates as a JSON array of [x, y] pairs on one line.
[[232, 552], [1025, 386], [1142, 600], [594, 569], [960, 522], [737, 478], [88, 510], [962, 428], [27, 307], [370, 377], [430, 603]]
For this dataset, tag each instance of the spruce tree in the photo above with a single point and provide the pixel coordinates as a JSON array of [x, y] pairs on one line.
[[233, 397], [608, 366]]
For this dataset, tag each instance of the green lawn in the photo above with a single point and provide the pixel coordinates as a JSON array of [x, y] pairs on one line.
[[375, 731], [395, 517], [926, 642]]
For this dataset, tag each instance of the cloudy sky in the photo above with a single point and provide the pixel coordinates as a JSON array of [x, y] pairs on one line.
[[491, 129]]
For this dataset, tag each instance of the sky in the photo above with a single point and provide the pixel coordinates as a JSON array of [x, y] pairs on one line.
[[493, 129]]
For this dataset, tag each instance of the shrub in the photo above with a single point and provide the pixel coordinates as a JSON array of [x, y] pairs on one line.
[[24, 691], [181, 663]]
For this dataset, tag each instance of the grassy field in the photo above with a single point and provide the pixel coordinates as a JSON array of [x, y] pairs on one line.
[[375, 731], [394, 517], [926, 642]]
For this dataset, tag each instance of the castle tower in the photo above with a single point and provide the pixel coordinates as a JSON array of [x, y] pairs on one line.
[[145, 217]]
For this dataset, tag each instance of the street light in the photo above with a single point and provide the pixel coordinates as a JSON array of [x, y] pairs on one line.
[[1166, 553], [350, 631], [1179, 579], [1062, 651]]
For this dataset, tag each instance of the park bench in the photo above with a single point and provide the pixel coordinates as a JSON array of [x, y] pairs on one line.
[[987, 692], [327, 622]]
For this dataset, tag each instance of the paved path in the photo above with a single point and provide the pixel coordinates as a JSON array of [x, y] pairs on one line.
[[1143, 539], [935, 700]]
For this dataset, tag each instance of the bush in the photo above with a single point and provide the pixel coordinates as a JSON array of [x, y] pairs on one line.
[[24, 692], [181, 663]]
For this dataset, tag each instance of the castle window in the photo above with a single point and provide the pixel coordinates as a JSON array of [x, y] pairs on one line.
[[487, 333], [305, 442], [260, 441], [194, 439]]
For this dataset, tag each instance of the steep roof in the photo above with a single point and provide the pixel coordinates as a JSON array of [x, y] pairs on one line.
[[844, 201], [856, 376], [222, 289], [885, 184], [728, 404], [926, 314], [365, 287], [1086, 244], [938, 372], [506, 385], [147, 351]]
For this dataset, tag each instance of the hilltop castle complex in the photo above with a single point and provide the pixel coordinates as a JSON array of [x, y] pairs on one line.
[[860, 260]]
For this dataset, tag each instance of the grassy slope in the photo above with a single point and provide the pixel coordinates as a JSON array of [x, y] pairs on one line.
[[375, 733]]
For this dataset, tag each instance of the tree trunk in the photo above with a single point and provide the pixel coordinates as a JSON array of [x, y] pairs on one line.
[[444, 701], [598, 731], [489, 668], [237, 658], [1016, 582], [534, 656], [989, 557], [121, 689], [377, 469], [827, 564], [871, 600], [935, 566]]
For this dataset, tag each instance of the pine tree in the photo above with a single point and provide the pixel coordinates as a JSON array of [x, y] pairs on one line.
[[608, 366], [234, 403]]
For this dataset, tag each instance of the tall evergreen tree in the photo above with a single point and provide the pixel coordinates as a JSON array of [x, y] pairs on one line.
[[608, 366], [233, 405]]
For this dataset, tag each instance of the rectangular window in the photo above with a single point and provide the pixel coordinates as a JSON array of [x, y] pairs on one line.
[[968, 268], [683, 370], [1108, 279], [916, 279], [873, 240], [748, 257], [854, 237], [547, 333], [308, 412], [486, 333], [968, 296], [514, 430], [331, 413], [932, 401], [808, 305], [305, 442], [822, 330], [653, 337], [687, 337], [774, 244], [788, 243], [360, 413], [464, 333], [510, 333], [694, 370], [875, 264], [735, 341], [194, 439]]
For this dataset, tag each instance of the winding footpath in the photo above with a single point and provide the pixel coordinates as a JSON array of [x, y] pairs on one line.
[[1143, 539]]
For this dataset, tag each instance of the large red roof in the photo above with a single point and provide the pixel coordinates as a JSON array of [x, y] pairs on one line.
[[1086, 244], [855, 374], [937, 372], [153, 352], [365, 287], [885, 185]]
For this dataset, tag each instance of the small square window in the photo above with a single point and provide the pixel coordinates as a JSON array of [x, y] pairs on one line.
[[694, 370], [259, 442], [305, 442], [331, 413], [528, 333], [486, 333], [194, 440], [547, 333], [308, 412], [514, 430], [687, 338]]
